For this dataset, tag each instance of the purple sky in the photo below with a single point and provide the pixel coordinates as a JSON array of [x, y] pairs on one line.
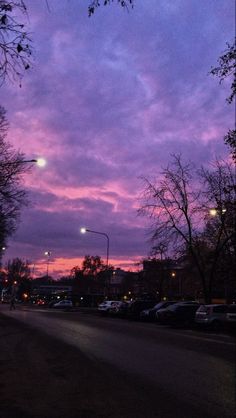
[[108, 100]]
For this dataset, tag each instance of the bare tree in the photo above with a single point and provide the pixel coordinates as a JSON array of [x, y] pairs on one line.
[[17, 270], [227, 68], [230, 140], [15, 43], [220, 232], [178, 205], [96, 3], [12, 194]]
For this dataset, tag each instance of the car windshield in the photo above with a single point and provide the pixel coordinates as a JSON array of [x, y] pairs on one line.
[[202, 308]]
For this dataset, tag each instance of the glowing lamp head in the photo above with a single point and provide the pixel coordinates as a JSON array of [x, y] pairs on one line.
[[41, 162], [83, 230], [213, 212]]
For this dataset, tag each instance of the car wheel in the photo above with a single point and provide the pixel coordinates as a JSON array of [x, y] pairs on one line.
[[110, 311]]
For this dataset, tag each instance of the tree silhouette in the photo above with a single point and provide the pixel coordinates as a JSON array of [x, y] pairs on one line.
[[12, 194], [178, 205], [15, 43]]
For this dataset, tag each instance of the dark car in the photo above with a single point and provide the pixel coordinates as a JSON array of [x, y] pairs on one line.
[[137, 306], [52, 303], [180, 314], [150, 314], [231, 317], [119, 309]]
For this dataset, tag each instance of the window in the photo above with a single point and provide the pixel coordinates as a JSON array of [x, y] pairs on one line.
[[220, 309]]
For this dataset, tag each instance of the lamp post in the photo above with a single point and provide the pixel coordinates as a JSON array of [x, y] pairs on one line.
[[47, 253], [84, 230], [41, 162]]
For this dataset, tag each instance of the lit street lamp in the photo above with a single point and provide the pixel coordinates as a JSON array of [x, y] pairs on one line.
[[173, 275], [84, 230], [47, 253], [215, 211], [41, 162]]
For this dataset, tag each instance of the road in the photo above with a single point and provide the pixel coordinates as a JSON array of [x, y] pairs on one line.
[[176, 373]]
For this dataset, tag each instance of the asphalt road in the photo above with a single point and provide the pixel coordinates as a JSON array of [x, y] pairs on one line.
[[160, 372]]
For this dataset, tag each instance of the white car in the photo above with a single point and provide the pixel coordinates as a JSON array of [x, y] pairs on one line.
[[63, 304], [106, 305], [212, 316]]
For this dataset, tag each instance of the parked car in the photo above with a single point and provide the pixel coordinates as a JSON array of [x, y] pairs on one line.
[[231, 317], [106, 305], [211, 316], [137, 306], [119, 308], [150, 314], [41, 302], [163, 314], [63, 304], [179, 314], [52, 303]]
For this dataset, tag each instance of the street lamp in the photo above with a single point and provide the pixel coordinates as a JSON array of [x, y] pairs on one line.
[[173, 275], [84, 230], [215, 211], [41, 162], [47, 253]]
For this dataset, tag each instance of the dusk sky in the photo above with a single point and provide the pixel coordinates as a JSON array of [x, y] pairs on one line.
[[109, 99]]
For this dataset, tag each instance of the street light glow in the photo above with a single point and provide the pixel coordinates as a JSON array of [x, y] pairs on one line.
[[41, 162], [213, 212], [83, 230]]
